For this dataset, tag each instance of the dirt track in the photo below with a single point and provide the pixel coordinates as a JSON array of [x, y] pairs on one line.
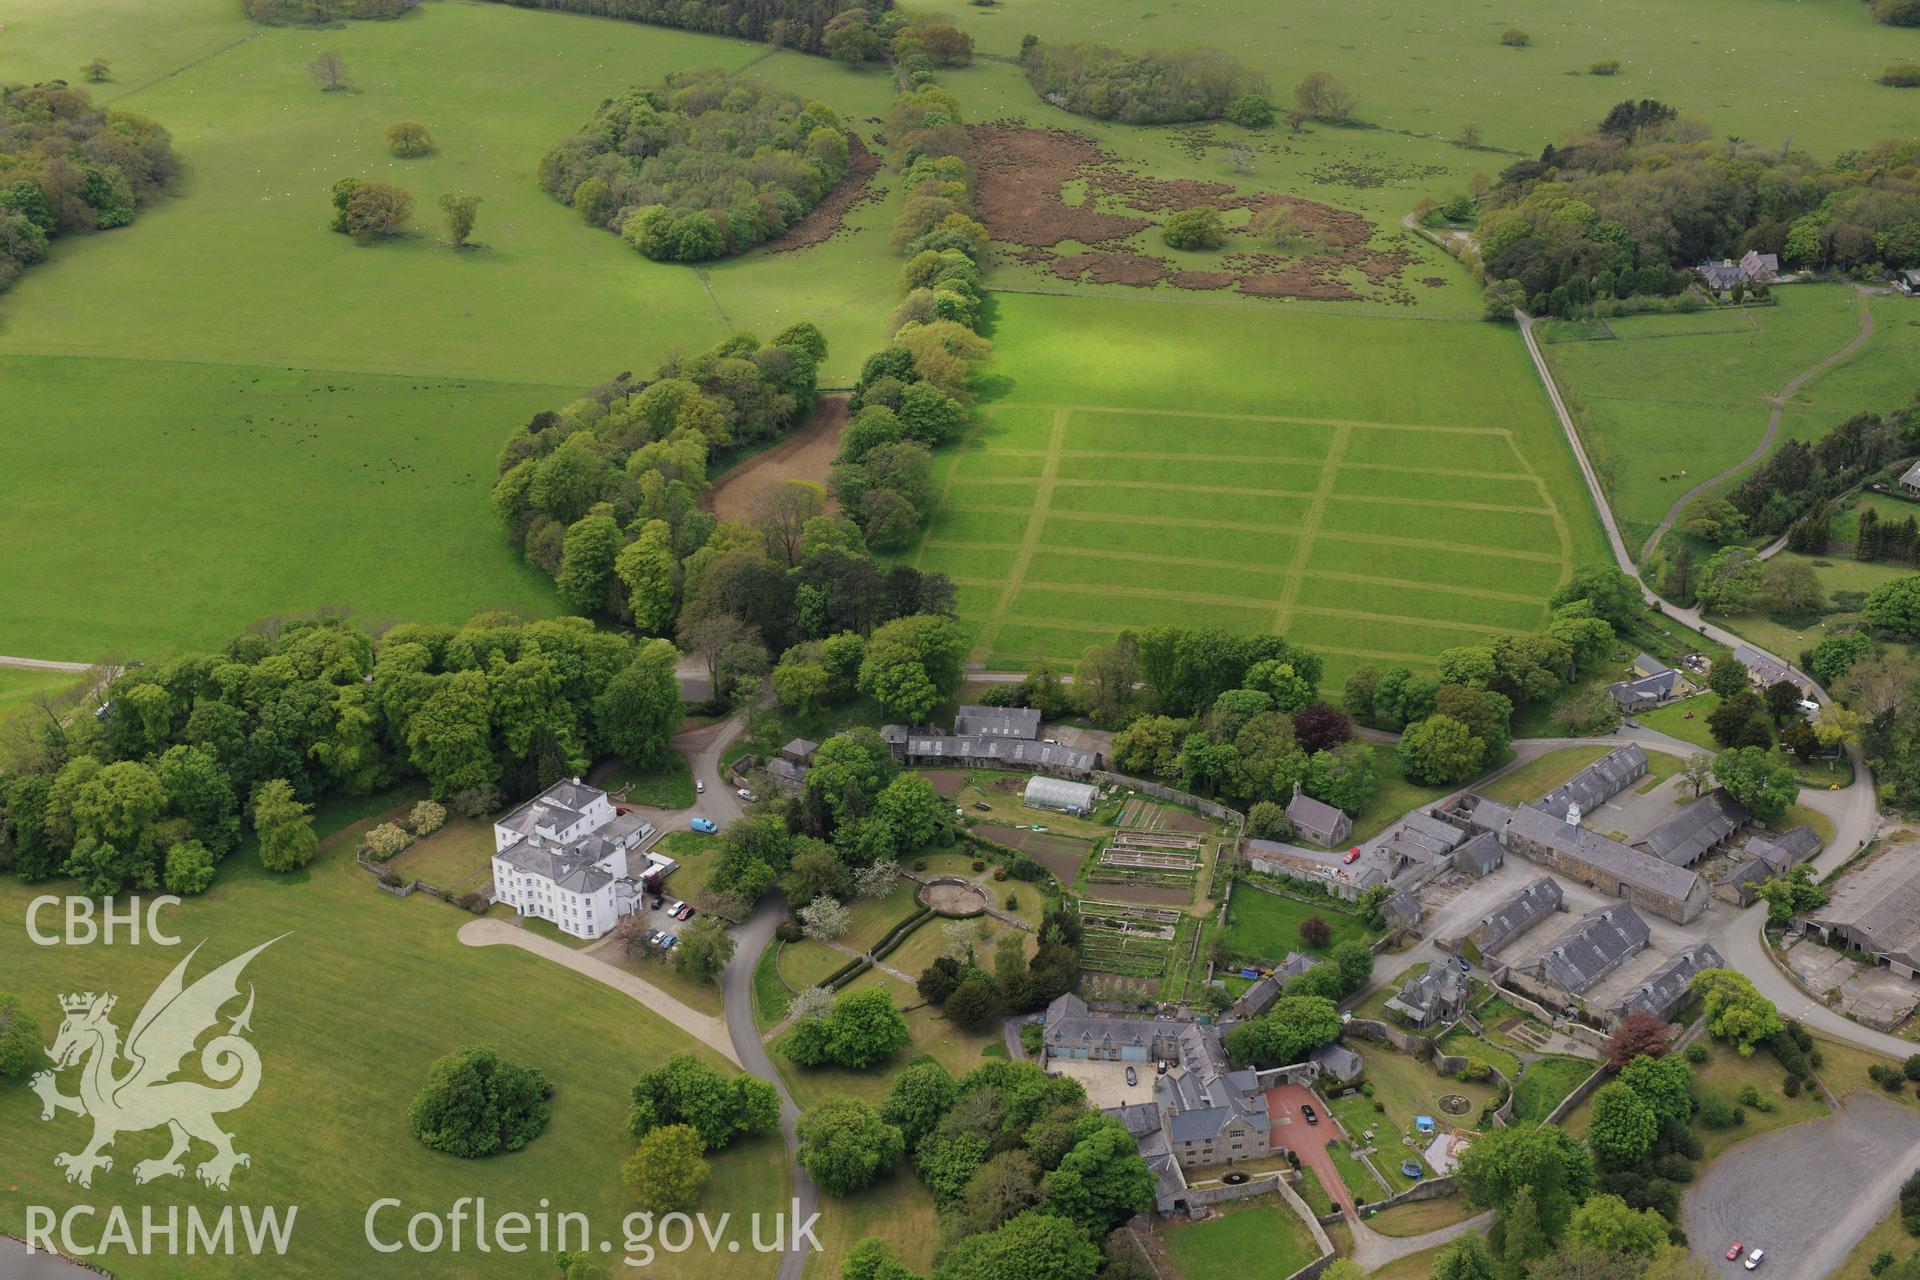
[[805, 455]]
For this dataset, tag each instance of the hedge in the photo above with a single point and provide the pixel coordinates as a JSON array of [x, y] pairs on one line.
[[898, 934]]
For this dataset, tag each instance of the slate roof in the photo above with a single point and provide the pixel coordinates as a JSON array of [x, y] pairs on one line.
[[1139, 1119], [786, 774], [800, 750], [1634, 694], [573, 870], [1911, 476], [1761, 668], [1401, 909], [1068, 1022], [1338, 1060], [1439, 984], [1651, 665], [1723, 275], [1665, 989], [1314, 815], [1881, 904], [1599, 782], [1514, 914], [1748, 871], [1006, 751], [1629, 866], [1596, 945], [1483, 849], [1699, 825], [996, 722], [1785, 852]]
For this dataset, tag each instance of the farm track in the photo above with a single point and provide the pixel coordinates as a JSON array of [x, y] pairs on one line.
[[1779, 400]]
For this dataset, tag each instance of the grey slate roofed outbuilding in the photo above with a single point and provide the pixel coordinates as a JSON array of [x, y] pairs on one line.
[[1006, 751], [1629, 866], [1599, 782], [996, 722], [1518, 912], [1879, 905], [1645, 691], [1314, 815], [1785, 852], [1598, 943], [1665, 989], [1699, 825], [1761, 668]]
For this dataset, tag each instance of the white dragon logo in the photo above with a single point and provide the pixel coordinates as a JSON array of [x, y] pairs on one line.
[[146, 1096]]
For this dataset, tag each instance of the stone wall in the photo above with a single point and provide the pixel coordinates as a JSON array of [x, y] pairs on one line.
[[1417, 1047], [1580, 1093], [1263, 1184], [1425, 1189], [1214, 810]]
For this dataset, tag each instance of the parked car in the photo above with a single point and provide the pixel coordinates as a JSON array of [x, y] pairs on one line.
[[669, 942], [1464, 966], [983, 806], [658, 903], [1306, 1109], [707, 825], [1160, 1067], [1733, 1254], [700, 786], [686, 912], [1353, 855], [673, 907], [1132, 1076], [1755, 1258], [744, 794]]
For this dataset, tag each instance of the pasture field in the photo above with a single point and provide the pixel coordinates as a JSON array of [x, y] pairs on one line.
[[1426, 67], [19, 684], [1666, 401], [238, 414], [1348, 476], [353, 1004]]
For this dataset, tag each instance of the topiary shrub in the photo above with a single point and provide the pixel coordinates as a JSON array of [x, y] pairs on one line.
[[476, 1103], [999, 873]]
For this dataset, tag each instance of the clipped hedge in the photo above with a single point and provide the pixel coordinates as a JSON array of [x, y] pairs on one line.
[[846, 973], [898, 934]]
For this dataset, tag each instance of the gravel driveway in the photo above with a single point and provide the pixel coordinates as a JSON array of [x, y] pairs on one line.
[[1805, 1194]]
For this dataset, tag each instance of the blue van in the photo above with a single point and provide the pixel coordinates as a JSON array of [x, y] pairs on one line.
[[705, 824]]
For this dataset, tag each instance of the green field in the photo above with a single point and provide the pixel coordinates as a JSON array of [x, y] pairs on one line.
[[237, 414], [19, 685], [1354, 474], [352, 1005], [1427, 67], [1261, 1239], [1671, 400]]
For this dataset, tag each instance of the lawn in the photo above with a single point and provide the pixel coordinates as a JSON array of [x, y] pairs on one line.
[[958, 1051], [1074, 507], [668, 787], [1361, 1184], [1546, 1084], [1463, 1044], [1393, 796], [274, 419], [770, 993], [1421, 1216], [1405, 1088], [1268, 926], [1674, 399], [1673, 720], [20, 684], [1726, 1073], [1542, 774], [1259, 1239], [898, 1209], [1427, 70], [1312, 1192], [353, 1004], [458, 857]]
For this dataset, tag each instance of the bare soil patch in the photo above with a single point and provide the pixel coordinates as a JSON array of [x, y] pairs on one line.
[[1180, 820], [1020, 196], [1146, 895], [827, 219], [1061, 855], [948, 898], [807, 454], [947, 783]]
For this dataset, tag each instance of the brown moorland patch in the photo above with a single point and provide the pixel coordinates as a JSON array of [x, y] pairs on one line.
[[1019, 195], [827, 219]]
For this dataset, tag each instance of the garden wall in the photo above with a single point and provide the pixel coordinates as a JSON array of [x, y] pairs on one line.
[[1265, 1184], [1580, 1094], [1415, 1047], [1216, 811], [1425, 1189]]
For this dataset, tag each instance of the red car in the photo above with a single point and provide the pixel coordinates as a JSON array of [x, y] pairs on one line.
[[1353, 855], [1733, 1254], [684, 913]]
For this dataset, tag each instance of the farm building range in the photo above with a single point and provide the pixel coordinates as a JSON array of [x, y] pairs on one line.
[[990, 738]]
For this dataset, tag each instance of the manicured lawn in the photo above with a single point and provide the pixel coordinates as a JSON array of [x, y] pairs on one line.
[[1312, 1192], [958, 1051], [659, 970], [1268, 926], [1465, 1045], [1394, 796], [458, 857], [1317, 519], [1405, 1089], [770, 994], [1546, 1084], [1259, 1239], [364, 992], [1361, 1184], [668, 787], [18, 685], [1421, 1216]]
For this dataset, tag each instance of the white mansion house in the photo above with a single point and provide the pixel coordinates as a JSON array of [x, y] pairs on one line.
[[562, 856]]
